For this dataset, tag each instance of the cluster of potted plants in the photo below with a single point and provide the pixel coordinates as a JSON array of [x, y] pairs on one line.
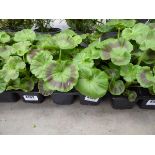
[[115, 62]]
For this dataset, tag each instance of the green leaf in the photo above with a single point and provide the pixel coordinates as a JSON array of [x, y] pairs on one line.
[[82, 60], [106, 47], [25, 35], [44, 89], [121, 23], [25, 84], [22, 47], [132, 95], [145, 77], [149, 57], [112, 73], [93, 51], [112, 47], [6, 51], [104, 28], [67, 40], [12, 67], [137, 33], [40, 62], [148, 42], [92, 83], [4, 37], [120, 56], [116, 87], [46, 41], [129, 72], [61, 76], [31, 55]]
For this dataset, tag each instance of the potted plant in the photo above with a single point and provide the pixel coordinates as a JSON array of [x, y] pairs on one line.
[[15, 72]]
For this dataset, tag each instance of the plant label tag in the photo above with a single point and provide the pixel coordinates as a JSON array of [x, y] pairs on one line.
[[150, 102], [91, 99], [30, 98]]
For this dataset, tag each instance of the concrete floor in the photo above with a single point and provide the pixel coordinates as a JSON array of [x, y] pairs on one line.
[[49, 118]]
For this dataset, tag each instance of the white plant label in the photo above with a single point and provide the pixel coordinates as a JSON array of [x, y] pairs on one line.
[[30, 98], [91, 99], [150, 102]]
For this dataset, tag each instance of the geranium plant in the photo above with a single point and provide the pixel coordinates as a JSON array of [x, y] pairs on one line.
[[60, 63]]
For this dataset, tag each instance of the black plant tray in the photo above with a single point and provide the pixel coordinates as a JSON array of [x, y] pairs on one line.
[[31, 97], [121, 102], [146, 100], [63, 98], [9, 96]]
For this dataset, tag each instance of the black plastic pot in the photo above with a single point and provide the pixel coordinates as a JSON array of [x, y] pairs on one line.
[[64, 98], [9, 96], [31, 97], [121, 102], [146, 101]]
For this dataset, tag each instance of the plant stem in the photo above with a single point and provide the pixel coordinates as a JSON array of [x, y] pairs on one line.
[[60, 55], [118, 34], [141, 58]]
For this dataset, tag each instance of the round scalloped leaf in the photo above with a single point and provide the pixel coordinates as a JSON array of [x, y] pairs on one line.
[[25, 35], [22, 47], [116, 87], [40, 62], [132, 95], [111, 44], [148, 43], [106, 47], [120, 56], [4, 37], [104, 28], [62, 76], [137, 33], [149, 57], [46, 41], [113, 73], [93, 51], [6, 51], [44, 89], [93, 83], [121, 23], [129, 72], [31, 55], [67, 41], [12, 67], [25, 84], [145, 77], [82, 60]]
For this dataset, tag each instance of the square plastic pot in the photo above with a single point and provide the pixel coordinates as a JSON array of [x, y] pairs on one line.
[[31, 97], [9, 96], [146, 101], [63, 98], [121, 102]]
